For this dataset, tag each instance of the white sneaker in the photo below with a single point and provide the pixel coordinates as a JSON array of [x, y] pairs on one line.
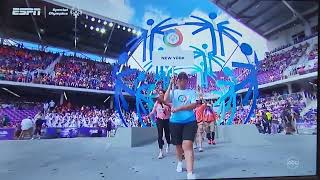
[[200, 149], [179, 167], [191, 176], [160, 155], [195, 147]]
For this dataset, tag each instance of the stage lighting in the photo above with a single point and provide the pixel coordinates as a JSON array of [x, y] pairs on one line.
[[92, 19], [85, 26], [139, 33], [105, 23], [65, 95], [129, 30], [106, 99], [110, 24], [97, 29], [124, 28], [11, 92], [134, 31], [118, 26], [87, 17], [99, 21], [91, 27], [103, 30]]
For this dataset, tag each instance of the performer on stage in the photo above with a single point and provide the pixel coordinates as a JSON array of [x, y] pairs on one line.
[[183, 125], [163, 112]]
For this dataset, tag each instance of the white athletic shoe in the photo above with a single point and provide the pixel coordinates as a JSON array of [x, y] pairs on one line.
[[200, 149], [195, 146], [191, 176], [179, 167], [160, 155], [167, 148]]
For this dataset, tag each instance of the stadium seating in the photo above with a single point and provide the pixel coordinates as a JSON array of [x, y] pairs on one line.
[[23, 65], [68, 116]]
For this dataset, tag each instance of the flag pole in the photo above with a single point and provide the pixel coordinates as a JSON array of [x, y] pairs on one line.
[[173, 82]]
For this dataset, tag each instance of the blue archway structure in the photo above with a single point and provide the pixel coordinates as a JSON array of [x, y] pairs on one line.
[[227, 88]]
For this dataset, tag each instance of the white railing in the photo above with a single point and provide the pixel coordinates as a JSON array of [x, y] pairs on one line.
[[312, 104], [310, 41]]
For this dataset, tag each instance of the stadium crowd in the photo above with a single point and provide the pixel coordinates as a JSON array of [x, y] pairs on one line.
[[29, 66], [24, 65], [68, 115]]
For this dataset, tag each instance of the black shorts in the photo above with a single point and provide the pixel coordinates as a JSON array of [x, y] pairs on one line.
[[180, 132]]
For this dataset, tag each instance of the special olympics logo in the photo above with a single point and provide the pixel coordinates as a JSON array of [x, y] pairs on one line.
[[292, 163], [173, 38], [209, 57], [182, 98]]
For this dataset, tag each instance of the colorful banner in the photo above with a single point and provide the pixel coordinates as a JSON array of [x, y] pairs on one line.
[[7, 133], [92, 132], [68, 132]]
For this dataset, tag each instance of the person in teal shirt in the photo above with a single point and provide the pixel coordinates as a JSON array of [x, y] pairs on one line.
[[183, 125], [5, 121]]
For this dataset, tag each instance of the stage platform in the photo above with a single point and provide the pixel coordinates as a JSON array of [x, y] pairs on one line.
[[97, 159], [134, 137]]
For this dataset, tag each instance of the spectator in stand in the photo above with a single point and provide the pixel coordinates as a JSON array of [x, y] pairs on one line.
[[51, 104], [5, 121], [45, 107], [16, 64]]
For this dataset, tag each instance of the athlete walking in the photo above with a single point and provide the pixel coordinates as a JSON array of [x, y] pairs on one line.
[[183, 125]]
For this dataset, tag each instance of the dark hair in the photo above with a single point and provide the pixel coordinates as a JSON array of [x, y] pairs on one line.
[[199, 102], [182, 76], [161, 90]]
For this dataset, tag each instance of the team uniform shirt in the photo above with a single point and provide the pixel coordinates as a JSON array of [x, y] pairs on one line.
[[26, 124], [269, 116], [51, 104], [199, 113], [182, 98], [162, 111], [209, 115]]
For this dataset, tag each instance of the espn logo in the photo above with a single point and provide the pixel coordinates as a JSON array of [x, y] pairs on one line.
[[26, 11]]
